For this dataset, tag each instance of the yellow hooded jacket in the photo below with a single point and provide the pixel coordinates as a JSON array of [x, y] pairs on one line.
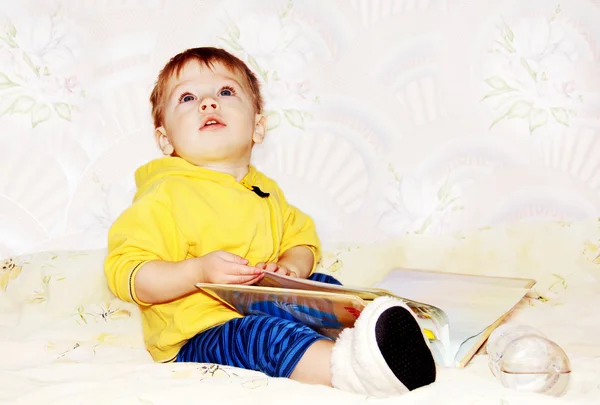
[[182, 211]]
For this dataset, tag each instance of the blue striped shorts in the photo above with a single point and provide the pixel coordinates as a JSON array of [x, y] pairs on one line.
[[267, 343]]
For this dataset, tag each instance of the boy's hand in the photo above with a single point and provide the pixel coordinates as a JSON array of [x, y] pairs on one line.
[[221, 267], [276, 268]]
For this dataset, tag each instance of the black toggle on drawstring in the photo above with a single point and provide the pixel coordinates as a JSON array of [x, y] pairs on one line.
[[259, 192]]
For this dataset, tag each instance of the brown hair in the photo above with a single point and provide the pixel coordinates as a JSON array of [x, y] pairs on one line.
[[206, 56]]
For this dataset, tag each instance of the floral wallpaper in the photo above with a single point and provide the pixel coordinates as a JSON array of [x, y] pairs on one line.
[[386, 117]]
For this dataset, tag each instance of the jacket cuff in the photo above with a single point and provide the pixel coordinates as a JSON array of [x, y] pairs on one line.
[[132, 293]]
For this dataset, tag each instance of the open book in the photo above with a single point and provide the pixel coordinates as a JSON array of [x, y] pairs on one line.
[[457, 312]]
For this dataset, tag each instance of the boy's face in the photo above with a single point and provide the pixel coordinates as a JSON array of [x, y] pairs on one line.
[[208, 117]]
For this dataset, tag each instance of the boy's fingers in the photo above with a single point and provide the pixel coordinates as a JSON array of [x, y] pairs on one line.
[[246, 280], [243, 270], [253, 280], [271, 266]]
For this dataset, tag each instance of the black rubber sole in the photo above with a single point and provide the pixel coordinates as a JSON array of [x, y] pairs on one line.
[[403, 347]]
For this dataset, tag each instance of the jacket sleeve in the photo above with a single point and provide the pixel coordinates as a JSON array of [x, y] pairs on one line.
[[146, 231], [299, 230]]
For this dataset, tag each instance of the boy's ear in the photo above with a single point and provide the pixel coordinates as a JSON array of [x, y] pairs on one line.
[[260, 128], [163, 141]]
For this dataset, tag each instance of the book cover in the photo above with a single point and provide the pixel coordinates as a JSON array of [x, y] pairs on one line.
[[444, 304]]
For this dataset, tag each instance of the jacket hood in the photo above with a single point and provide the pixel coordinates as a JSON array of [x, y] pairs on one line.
[[156, 170]]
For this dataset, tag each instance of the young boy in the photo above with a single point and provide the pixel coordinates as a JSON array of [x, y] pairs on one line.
[[204, 214]]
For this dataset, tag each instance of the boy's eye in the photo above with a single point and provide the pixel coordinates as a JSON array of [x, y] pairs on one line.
[[186, 97], [227, 91]]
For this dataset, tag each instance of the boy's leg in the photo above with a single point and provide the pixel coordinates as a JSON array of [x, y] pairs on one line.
[[268, 344], [324, 278], [315, 365], [384, 354]]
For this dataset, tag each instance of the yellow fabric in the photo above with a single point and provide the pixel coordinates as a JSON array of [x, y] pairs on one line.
[[182, 211]]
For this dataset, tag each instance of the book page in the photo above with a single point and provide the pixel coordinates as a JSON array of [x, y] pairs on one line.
[[327, 313], [471, 303], [431, 318], [280, 281]]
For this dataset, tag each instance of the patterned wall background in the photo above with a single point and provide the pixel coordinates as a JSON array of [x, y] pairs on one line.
[[386, 117]]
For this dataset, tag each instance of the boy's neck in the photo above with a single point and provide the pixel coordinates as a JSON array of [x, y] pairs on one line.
[[237, 171]]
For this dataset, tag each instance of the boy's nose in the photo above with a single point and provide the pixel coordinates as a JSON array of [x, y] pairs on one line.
[[209, 103]]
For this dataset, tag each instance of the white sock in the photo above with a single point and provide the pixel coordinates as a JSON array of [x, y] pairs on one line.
[[361, 355], [342, 368]]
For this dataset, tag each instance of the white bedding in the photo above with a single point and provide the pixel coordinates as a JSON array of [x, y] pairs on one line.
[[65, 339], [388, 119]]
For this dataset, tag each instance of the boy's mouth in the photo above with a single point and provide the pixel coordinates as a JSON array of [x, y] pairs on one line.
[[211, 122]]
